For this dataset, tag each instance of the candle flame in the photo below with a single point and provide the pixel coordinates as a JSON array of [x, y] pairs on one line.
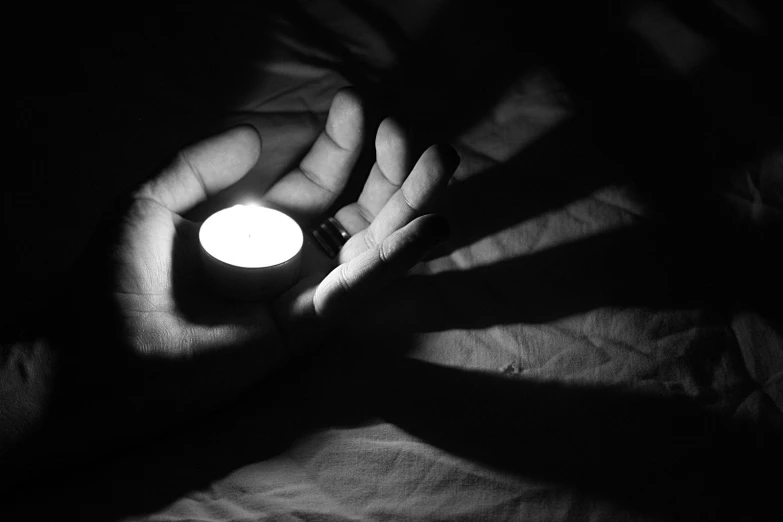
[[251, 236]]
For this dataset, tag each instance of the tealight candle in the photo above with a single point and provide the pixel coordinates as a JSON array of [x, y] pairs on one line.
[[250, 252]]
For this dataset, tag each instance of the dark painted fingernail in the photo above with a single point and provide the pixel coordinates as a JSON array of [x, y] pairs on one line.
[[449, 155], [439, 228]]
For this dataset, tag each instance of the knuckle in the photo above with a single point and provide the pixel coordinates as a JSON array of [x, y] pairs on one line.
[[385, 252], [141, 346], [343, 282], [141, 204], [390, 134], [183, 345], [369, 239], [407, 200]]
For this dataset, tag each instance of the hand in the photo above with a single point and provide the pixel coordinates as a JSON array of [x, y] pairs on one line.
[[193, 350]]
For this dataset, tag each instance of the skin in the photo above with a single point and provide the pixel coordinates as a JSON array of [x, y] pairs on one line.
[[140, 344]]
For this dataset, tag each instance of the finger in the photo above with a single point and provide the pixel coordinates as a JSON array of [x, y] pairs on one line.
[[348, 284], [392, 165], [312, 187], [427, 180], [204, 169]]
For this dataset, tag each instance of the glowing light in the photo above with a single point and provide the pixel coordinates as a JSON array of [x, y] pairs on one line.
[[251, 236]]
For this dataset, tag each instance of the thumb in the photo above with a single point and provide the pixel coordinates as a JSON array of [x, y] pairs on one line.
[[350, 283]]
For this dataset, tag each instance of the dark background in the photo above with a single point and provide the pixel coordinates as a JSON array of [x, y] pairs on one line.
[[100, 98]]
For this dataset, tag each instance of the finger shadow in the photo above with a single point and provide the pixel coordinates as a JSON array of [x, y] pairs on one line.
[[560, 167], [648, 453], [672, 136], [647, 266], [663, 455]]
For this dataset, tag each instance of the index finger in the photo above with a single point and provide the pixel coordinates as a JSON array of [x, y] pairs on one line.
[[204, 169]]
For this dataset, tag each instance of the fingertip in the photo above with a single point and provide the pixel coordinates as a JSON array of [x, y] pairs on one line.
[[439, 227], [437, 165], [391, 134], [345, 123], [417, 238], [393, 151], [347, 93], [444, 157], [248, 137], [448, 155], [240, 145]]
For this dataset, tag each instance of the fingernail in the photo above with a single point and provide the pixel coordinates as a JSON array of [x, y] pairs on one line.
[[440, 228], [450, 156]]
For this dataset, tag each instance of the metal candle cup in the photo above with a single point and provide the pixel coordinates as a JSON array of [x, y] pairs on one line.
[[250, 252]]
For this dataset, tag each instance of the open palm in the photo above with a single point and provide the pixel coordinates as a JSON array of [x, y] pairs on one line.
[[197, 349]]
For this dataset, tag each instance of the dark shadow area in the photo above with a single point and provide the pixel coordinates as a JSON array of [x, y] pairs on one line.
[[100, 98], [144, 476], [557, 169], [448, 78], [654, 454], [642, 266]]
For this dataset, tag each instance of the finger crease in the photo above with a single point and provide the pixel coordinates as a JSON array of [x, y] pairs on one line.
[[368, 239], [342, 278], [151, 199], [383, 254], [314, 179], [365, 214], [387, 178], [407, 201], [196, 173], [328, 134]]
